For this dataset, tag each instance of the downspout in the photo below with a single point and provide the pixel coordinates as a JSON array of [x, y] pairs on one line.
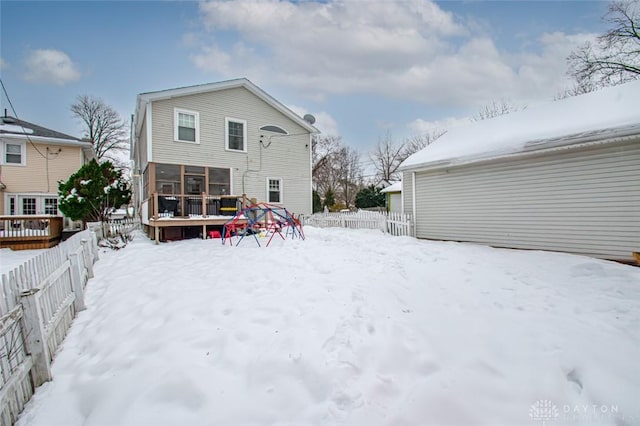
[[248, 170], [310, 147], [402, 192], [149, 124], [413, 203]]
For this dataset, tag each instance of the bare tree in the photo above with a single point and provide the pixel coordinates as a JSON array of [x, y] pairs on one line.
[[494, 109], [349, 174], [103, 127], [614, 57], [336, 170], [577, 89], [387, 157], [323, 173], [419, 142], [323, 147]]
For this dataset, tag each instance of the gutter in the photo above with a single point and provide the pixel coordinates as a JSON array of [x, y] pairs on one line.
[[49, 141], [533, 148]]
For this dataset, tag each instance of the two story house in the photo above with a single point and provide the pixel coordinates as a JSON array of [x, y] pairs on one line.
[[32, 161], [198, 150]]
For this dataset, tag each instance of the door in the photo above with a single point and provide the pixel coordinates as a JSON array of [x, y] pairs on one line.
[[32, 204]]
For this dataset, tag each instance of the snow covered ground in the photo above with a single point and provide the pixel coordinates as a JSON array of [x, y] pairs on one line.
[[348, 328], [11, 259]]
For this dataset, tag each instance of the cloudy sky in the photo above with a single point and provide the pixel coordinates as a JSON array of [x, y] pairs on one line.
[[363, 68]]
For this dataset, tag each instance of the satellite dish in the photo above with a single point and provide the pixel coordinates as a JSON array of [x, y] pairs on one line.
[[309, 118]]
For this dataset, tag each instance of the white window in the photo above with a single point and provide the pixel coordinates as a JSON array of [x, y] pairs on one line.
[[29, 204], [235, 134], [51, 206], [274, 190], [12, 206], [186, 126], [13, 153]]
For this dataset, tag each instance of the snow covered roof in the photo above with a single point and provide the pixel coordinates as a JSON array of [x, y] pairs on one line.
[[395, 187], [145, 98], [610, 113], [11, 126]]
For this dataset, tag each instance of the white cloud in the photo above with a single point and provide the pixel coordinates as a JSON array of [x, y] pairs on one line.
[[50, 66], [334, 47], [3, 64], [407, 50], [324, 121], [422, 127], [546, 71]]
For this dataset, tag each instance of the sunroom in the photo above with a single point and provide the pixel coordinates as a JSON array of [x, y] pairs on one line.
[[185, 201]]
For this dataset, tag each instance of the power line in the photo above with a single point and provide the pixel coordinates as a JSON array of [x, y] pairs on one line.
[[26, 134], [15, 114]]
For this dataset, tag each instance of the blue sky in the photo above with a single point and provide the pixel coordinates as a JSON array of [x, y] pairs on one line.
[[363, 68]]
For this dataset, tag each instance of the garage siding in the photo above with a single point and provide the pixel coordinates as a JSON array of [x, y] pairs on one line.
[[585, 202], [407, 192]]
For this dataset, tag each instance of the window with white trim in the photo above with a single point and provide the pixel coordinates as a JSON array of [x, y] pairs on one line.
[[186, 126], [274, 190], [29, 205], [13, 153], [235, 134], [51, 206]]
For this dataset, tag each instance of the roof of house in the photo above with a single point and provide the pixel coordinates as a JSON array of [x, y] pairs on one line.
[[145, 98], [394, 187], [606, 115], [12, 126]]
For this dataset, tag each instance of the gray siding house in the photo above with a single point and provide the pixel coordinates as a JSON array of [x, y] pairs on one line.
[[193, 145], [562, 176]]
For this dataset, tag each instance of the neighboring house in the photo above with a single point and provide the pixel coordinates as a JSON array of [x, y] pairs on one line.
[[562, 176], [194, 146], [33, 160], [393, 197]]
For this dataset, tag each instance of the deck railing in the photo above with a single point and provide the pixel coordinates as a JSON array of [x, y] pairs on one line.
[[189, 205], [30, 231]]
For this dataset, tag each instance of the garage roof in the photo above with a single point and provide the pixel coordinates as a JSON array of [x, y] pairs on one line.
[[607, 114]]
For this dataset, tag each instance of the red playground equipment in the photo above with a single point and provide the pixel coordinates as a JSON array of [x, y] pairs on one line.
[[264, 220]]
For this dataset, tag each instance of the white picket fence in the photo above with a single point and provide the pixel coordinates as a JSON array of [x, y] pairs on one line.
[[393, 223], [114, 228], [38, 301]]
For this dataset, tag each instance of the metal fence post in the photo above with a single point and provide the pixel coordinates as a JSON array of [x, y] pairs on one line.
[[35, 337]]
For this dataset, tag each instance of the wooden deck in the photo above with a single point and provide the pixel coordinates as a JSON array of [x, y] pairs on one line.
[[178, 228], [30, 232], [180, 216]]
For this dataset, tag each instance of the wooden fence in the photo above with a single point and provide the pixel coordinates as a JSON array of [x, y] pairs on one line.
[[393, 223], [114, 227], [38, 301]]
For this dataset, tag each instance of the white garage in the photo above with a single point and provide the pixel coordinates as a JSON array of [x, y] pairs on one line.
[[563, 176]]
